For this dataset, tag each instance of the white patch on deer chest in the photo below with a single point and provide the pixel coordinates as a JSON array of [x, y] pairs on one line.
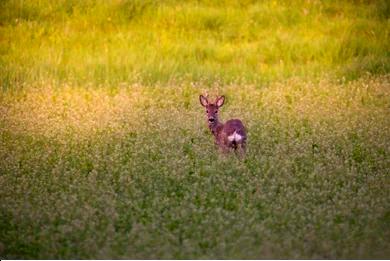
[[235, 137]]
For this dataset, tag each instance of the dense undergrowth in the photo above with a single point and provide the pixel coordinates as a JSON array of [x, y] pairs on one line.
[[133, 173]]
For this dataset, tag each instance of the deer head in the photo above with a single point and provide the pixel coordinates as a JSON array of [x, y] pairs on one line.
[[212, 108]]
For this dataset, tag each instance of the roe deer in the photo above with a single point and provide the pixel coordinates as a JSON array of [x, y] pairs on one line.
[[232, 134]]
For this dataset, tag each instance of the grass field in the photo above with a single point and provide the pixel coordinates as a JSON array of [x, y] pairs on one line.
[[111, 42], [105, 152]]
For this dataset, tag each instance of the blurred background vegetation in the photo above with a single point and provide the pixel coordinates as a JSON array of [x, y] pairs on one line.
[[142, 41]]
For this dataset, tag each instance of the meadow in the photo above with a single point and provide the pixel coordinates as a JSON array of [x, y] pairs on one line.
[[105, 151]]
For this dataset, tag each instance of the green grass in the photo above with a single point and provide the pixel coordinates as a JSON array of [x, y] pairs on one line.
[[105, 152], [133, 173], [111, 42]]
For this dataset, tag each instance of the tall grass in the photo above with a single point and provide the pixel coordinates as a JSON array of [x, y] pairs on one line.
[[133, 173], [111, 42], [104, 152]]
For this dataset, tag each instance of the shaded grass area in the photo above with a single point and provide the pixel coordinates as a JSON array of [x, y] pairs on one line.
[[149, 42], [132, 172]]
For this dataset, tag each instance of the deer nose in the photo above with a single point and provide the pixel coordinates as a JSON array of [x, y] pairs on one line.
[[211, 119]]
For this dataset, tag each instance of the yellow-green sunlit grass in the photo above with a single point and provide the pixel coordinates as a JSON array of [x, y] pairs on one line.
[[109, 42]]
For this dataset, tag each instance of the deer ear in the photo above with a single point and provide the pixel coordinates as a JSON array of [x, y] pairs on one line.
[[203, 100], [220, 101]]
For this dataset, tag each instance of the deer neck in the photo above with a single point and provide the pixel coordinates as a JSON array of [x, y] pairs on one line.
[[215, 128]]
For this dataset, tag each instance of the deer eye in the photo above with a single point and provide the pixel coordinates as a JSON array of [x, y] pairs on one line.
[[216, 111], [207, 111]]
